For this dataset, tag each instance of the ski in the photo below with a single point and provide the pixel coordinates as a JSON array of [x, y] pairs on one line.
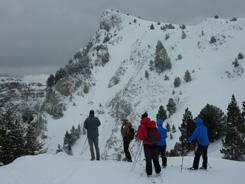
[[160, 178], [151, 179], [189, 169]]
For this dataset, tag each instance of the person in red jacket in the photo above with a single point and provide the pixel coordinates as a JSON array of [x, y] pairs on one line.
[[150, 143]]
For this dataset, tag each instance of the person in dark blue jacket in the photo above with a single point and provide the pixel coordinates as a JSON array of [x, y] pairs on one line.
[[161, 145], [203, 142]]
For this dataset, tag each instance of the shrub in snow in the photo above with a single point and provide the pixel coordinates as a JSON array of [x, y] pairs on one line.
[[240, 56], [177, 82], [187, 76]]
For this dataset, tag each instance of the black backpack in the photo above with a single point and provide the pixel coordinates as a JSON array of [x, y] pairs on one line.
[[132, 133]]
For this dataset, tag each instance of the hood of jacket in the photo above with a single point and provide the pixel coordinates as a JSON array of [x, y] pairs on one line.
[[145, 120], [159, 123], [198, 122]]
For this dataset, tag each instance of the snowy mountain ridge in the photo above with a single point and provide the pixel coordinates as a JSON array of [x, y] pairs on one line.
[[119, 56]]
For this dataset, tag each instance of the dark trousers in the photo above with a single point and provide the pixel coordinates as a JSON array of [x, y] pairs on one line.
[[126, 151], [162, 152], [201, 151], [94, 142], [151, 154]]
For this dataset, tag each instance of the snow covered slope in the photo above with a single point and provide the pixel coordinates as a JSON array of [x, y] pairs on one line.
[[120, 89], [63, 169]]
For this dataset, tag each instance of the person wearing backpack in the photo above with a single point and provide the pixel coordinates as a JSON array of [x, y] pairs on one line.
[[147, 132], [161, 145], [203, 142], [126, 131]]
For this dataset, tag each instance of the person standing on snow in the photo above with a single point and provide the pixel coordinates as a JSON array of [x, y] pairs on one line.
[[203, 142], [150, 143], [161, 145], [126, 134], [91, 124]]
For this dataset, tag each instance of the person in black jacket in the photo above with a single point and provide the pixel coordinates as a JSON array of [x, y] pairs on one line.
[[91, 124]]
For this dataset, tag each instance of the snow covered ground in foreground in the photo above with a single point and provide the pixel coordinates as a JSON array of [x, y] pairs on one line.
[[64, 169]]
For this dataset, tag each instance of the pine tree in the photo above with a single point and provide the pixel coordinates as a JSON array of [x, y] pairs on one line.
[[146, 74], [186, 129], [177, 82], [171, 136], [162, 61], [166, 77], [59, 149], [162, 114], [240, 56], [32, 144], [12, 142], [67, 143], [173, 129], [50, 81], [214, 119], [243, 117], [183, 36], [152, 27], [233, 144], [151, 65], [171, 106], [168, 127], [187, 76]]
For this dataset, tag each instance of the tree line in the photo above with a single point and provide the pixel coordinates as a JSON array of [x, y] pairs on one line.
[[230, 128]]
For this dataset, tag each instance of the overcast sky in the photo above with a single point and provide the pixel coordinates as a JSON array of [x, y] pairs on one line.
[[40, 36]]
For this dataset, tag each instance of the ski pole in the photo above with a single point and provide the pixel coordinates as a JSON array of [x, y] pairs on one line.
[[182, 163], [135, 160], [138, 154], [209, 166], [84, 145]]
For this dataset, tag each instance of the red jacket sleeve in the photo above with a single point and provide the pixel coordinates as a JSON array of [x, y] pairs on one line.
[[141, 133]]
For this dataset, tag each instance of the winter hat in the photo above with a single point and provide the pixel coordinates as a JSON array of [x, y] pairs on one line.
[[198, 121], [91, 112], [145, 115]]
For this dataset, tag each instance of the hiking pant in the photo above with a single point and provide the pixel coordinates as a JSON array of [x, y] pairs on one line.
[[201, 151], [126, 151], [162, 152], [94, 142], [151, 154]]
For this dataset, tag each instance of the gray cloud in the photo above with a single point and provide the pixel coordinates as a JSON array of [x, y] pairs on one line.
[[39, 37]]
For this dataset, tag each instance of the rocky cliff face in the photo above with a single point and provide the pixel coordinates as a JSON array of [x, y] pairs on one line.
[[16, 94], [24, 99]]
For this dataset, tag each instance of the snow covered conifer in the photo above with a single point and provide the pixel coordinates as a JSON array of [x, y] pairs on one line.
[[214, 119], [183, 36], [162, 114], [162, 61], [233, 144], [33, 146], [168, 127], [173, 129], [12, 142], [187, 76], [186, 129], [67, 143], [177, 82], [171, 106]]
